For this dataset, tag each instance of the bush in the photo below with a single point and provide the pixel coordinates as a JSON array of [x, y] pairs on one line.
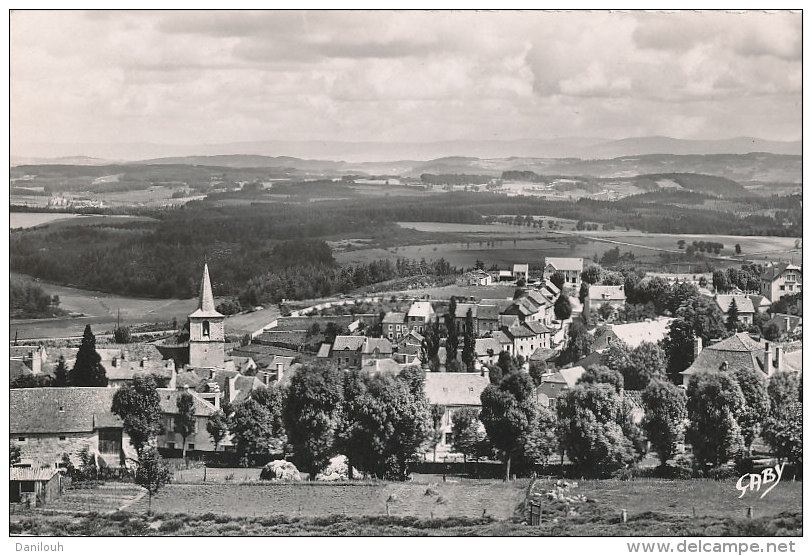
[[171, 526]]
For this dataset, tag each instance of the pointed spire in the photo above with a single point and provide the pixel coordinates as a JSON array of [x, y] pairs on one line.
[[206, 298], [205, 305]]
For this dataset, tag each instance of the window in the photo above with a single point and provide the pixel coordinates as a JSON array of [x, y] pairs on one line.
[[782, 288], [21, 439], [191, 446], [470, 388], [26, 486], [63, 438], [206, 329], [170, 445]]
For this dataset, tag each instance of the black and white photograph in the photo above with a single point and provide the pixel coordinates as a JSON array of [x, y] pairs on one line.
[[376, 273]]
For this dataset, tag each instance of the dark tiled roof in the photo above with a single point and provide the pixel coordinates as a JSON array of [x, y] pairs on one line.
[[17, 368], [381, 344], [55, 410], [169, 402]]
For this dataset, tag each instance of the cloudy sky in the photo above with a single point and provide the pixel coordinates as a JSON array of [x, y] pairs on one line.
[[220, 77]]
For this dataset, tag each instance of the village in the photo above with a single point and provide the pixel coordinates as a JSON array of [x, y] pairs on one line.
[[560, 325]]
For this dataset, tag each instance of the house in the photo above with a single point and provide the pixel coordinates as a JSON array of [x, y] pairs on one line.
[[738, 351], [487, 350], [613, 296], [632, 334], [46, 423], [393, 325], [453, 391], [743, 303], [571, 268], [521, 272], [760, 303], [375, 348], [382, 366], [504, 340], [33, 486], [790, 327], [121, 371], [420, 315], [487, 319], [346, 350], [556, 385], [779, 280], [504, 275], [200, 440], [475, 278]]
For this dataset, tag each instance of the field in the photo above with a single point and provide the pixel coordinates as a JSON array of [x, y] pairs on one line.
[[32, 219], [426, 506]]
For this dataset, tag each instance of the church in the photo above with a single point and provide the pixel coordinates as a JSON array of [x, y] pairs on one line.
[[206, 330]]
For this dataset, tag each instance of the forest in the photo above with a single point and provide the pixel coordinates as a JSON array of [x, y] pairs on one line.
[[251, 234]]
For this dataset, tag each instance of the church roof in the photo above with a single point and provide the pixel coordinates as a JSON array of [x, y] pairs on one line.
[[205, 305]]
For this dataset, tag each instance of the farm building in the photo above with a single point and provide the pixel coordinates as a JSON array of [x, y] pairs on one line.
[[33, 486]]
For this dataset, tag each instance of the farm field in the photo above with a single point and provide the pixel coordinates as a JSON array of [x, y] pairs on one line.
[[424, 499], [33, 219]]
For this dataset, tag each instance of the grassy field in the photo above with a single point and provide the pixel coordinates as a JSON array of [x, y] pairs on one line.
[[654, 508], [33, 219]]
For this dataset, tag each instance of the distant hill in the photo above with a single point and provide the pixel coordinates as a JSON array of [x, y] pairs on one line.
[[248, 161], [668, 145], [700, 183]]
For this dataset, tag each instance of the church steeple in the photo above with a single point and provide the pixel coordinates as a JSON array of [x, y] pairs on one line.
[[205, 305], [206, 331]]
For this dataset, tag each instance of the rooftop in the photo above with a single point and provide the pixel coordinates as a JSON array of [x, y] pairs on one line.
[[455, 389], [55, 410], [565, 263]]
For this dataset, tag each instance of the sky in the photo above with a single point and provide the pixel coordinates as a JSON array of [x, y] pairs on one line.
[[212, 77]]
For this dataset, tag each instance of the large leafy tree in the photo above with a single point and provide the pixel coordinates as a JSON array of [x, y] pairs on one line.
[[591, 274], [541, 442], [88, 369], [679, 349], [61, 373], [562, 307], [590, 429], [638, 366], [185, 420], [385, 422], [469, 342], [509, 414], [783, 428], [579, 343], [664, 420], [437, 412], [217, 427], [139, 406], [468, 439], [715, 403], [311, 415], [706, 319], [558, 279], [600, 374], [756, 402], [252, 429]]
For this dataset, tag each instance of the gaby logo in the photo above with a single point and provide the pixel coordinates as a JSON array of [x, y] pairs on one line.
[[754, 481]]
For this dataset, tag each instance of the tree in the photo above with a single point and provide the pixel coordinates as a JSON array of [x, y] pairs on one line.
[[583, 292], [152, 474], [537, 370], [715, 402], [14, 454], [558, 279], [311, 413], [599, 374], [606, 310], [505, 364], [665, 413], [61, 373], [217, 427], [139, 406], [705, 317], [541, 442], [88, 370], [385, 421], [437, 412], [720, 281], [469, 343], [733, 316], [783, 428], [590, 429], [756, 402], [591, 274], [509, 414], [122, 335], [185, 421], [771, 332], [679, 349], [681, 244], [252, 429], [430, 345], [738, 249], [467, 439], [579, 344], [638, 366], [562, 307], [452, 335]]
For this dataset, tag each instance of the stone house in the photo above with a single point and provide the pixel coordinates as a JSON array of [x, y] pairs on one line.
[[569, 266], [200, 440], [743, 303], [420, 314], [781, 279], [453, 391], [393, 326]]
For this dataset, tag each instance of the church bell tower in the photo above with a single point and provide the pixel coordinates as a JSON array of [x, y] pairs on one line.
[[206, 330]]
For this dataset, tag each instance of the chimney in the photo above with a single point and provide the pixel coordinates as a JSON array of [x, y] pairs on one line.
[[266, 377], [280, 370], [697, 346], [124, 355], [768, 359], [143, 360], [779, 358], [723, 366], [114, 362], [789, 323]]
